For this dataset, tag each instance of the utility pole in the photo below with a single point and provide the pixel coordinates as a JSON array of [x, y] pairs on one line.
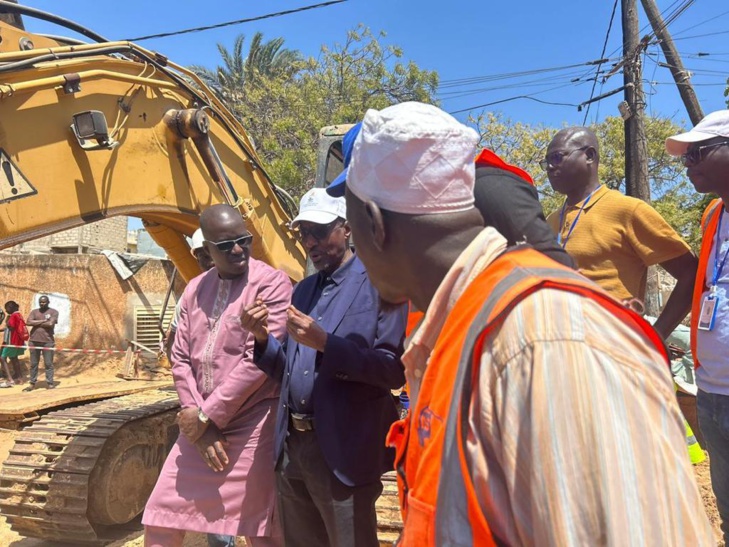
[[12, 18], [636, 146], [636, 149], [680, 75]]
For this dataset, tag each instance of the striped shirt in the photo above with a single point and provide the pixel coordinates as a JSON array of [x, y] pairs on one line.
[[575, 434]]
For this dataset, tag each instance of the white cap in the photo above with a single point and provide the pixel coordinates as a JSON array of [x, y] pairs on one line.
[[413, 158], [714, 125], [320, 208], [196, 241]]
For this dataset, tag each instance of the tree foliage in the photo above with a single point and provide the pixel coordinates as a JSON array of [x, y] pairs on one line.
[[283, 110], [672, 194], [264, 59]]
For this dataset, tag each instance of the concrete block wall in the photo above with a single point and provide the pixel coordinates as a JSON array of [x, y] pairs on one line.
[[109, 234]]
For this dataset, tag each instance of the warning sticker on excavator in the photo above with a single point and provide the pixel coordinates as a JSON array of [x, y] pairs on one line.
[[13, 184]]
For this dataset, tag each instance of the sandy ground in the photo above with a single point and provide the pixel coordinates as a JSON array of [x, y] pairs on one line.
[[86, 369], [76, 370]]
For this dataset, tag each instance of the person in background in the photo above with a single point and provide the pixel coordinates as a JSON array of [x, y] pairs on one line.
[[219, 478], [201, 254], [525, 377], [613, 238], [42, 321], [705, 153], [13, 335], [337, 367]]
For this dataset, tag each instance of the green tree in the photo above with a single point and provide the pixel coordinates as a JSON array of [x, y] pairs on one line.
[[266, 59], [284, 111]]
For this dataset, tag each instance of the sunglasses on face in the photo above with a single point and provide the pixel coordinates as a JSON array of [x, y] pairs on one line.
[[228, 245], [317, 231], [697, 155], [555, 158]]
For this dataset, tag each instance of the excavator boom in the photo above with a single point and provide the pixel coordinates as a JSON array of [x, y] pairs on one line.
[[97, 130]]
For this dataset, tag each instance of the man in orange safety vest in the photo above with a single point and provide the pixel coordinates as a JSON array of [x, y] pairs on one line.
[[542, 410]]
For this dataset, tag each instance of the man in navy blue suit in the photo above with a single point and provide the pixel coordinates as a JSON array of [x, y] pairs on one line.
[[337, 367]]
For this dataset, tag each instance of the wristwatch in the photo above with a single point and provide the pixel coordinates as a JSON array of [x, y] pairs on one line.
[[202, 416]]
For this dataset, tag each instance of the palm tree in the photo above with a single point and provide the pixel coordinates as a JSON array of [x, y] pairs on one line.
[[264, 59]]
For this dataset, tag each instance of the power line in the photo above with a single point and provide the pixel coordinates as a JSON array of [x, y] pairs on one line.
[[548, 80], [602, 54], [710, 19], [509, 99], [237, 22], [701, 35]]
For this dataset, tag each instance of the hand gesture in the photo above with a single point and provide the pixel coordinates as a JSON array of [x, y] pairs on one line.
[[254, 319], [304, 330], [211, 446], [190, 425]]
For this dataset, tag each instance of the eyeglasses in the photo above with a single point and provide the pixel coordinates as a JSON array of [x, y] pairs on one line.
[[555, 158], [318, 231], [696, 155], [228, 245]]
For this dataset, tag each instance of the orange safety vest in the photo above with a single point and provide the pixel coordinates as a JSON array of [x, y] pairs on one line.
[[709, 225], [437, 494], [486, 158]]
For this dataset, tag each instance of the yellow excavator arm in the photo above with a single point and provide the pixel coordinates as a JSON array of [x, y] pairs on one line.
[[90, 131]]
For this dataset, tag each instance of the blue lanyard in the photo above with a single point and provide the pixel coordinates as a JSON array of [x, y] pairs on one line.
[[718, 267], [574, 222]]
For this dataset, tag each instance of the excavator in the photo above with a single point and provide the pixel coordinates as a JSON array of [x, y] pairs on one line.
[[98, 128]]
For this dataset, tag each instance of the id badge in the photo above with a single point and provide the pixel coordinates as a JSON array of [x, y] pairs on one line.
[[708, 312]]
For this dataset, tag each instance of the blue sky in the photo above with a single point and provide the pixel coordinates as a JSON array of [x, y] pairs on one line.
[[463, 40]]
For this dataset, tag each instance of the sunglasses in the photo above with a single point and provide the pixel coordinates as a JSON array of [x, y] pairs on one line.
[[318, 231], [228, 245], [555, 158], [697, 155]]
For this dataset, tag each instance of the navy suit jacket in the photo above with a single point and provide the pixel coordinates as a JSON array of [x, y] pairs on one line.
[[353, 406]]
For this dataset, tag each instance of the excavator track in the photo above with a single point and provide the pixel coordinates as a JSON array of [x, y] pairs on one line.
[[76, 473]]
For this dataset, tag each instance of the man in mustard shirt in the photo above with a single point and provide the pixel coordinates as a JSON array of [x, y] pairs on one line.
[[613, 238]]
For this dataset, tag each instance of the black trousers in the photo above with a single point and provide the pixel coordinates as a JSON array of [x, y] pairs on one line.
[[315, 507]]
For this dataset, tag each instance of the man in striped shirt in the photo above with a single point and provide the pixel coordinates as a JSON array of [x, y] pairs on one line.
[[574, 436]]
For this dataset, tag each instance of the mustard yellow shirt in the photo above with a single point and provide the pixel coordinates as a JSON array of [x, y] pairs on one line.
[[615, 239]]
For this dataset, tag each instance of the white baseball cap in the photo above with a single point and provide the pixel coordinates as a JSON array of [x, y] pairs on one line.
[[320, 208], [714, 125], [196, 242], [413, 158]]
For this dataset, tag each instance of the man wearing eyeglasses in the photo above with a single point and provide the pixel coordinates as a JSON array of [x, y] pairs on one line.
[[705, 153], [613, 238], [337, 368], [218, 478]]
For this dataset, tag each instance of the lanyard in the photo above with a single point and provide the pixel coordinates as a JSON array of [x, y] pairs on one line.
[[574, 222], [718, 267]]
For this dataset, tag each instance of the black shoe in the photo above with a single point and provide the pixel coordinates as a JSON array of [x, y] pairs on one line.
[[31, 387]]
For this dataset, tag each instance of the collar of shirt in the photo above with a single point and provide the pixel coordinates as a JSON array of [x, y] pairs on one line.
[[599, 192], [482, 251], [339, 274]]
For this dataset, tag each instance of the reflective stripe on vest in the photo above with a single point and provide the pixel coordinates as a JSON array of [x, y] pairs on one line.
[[442, 507], [709, 225]]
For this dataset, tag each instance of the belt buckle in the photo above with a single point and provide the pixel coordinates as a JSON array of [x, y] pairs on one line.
[[302, 423]]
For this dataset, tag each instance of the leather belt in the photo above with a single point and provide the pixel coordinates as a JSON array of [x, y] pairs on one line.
[[302, 422]]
